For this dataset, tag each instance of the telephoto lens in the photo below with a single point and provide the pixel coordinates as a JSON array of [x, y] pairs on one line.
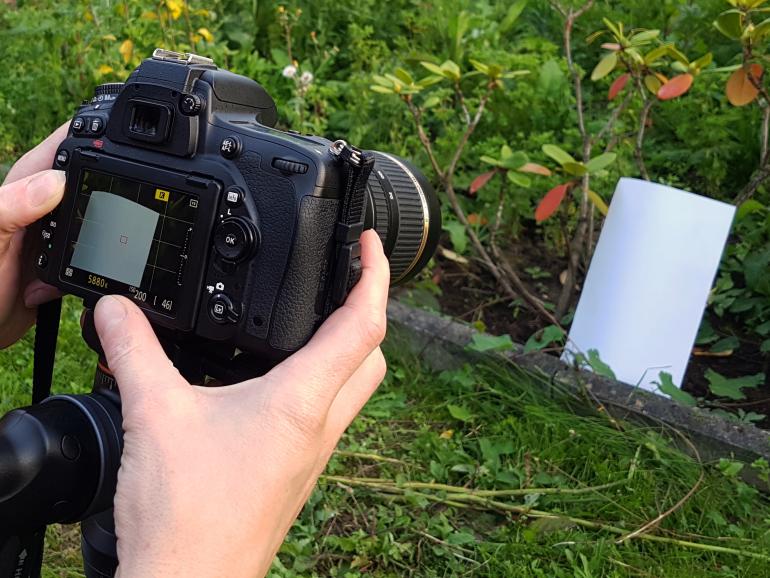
[[404, 210]]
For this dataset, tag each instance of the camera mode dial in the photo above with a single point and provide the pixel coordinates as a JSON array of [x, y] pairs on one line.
[[236, 239], [107, 91]]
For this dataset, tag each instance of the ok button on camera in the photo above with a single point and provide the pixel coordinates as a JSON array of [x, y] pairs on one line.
[[235, 239]]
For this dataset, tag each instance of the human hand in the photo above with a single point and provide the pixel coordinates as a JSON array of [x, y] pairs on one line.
[[211, 479], [29, 192]]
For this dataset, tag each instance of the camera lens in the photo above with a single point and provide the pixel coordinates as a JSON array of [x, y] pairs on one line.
[[404, 210]]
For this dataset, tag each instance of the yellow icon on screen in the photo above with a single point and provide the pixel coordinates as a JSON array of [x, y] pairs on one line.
[[161, 195]]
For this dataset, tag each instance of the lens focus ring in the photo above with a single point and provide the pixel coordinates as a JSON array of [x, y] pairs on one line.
[[410, 237]]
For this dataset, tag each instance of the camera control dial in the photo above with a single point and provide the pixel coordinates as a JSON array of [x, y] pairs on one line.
[[235, 239]]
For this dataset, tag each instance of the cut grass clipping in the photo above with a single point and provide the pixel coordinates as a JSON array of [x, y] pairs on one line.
[[488, 472]]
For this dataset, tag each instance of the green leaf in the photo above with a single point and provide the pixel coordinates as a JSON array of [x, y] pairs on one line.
[[451, 70], [515, 73], [730, 23], [644, 37], [381, 80], [551, 79], [457, 235], [576, 168], [655, 54], [480, 66], [542, 339], [598, 202], [513, 161], [721, 386], [747, 208], [761, 30], [755, 270], [558, 154], [596, 164], [727, 344], [703, 62], [404, 76], [431, 101], [667, 387], [485, 342], [730, 468], [381, 89], [677, 55], [605, 66], [490, 161], [435, 69], [459, 412], [429, 81], [598, 366], [513, 15], [519, 179]]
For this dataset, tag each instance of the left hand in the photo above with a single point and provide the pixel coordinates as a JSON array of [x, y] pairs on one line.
[[30, 191]]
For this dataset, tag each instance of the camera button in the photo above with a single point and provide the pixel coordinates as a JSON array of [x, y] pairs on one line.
[[234, 197], [78, 124], [235, 239], [62, 158], [230, 147], [221, 309], [95, 126], [42, 260]]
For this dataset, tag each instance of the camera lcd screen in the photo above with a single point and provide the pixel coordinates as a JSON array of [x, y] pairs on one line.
[[130, 237]]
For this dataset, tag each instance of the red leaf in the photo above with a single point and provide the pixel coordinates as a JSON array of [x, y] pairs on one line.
[[676, 87], [611, 46], [536, 169], [480, 181], [617, 86], [476, 219], [551, 202], [740, 89]]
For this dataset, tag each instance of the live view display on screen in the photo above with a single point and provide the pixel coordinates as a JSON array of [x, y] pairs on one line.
[[130, 237]]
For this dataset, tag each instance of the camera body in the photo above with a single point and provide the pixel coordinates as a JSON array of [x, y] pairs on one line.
[[225, 231]]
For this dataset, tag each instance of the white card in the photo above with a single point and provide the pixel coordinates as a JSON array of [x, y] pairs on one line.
[[649, 281]]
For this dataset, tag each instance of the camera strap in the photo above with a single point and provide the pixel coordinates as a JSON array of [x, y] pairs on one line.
[[357, 166], [21, 555]]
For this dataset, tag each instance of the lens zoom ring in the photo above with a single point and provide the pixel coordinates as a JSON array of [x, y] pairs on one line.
[[411, 229]]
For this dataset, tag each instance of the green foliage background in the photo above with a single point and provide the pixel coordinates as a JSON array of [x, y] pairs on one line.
[[479, 428]]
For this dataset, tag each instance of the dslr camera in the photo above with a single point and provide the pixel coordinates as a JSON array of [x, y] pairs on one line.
[[236, 239], [231, 235]]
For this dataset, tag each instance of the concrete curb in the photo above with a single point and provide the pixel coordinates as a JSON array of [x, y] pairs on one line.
[[441, 344]]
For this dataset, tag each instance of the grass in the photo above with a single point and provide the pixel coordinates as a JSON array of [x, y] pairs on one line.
[[486, 472]]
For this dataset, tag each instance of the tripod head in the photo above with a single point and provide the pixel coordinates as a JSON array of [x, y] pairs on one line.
[[59, 459]]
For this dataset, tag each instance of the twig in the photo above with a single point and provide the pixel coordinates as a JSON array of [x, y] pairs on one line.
[[365, 456]]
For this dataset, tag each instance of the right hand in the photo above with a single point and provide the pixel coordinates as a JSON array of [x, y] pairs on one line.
[[211, 479]]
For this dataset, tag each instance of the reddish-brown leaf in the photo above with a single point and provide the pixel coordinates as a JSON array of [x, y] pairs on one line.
[[617, 86], [476, 219], [676, 87], [611, 46], [740, 90], [536, 169], [550, 202], [480, 181]]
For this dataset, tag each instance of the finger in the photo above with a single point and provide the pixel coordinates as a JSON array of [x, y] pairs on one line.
[[346, 338], [39, 158], [38, 292], [354, 394], [135, 357], [25, 201]]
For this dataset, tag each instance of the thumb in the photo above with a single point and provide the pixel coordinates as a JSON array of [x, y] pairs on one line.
[[25, 201], [135, 357]]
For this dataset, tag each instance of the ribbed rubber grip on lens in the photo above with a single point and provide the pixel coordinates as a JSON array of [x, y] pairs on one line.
[[411, 223]]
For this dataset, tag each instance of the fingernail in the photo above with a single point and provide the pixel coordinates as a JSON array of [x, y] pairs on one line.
[[41, 188], [109, 312]]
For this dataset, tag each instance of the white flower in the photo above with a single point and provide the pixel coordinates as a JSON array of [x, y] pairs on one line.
[[289, 71], [306, 78]]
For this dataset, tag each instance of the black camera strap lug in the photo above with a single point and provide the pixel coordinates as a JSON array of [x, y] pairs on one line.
[[358, 167]]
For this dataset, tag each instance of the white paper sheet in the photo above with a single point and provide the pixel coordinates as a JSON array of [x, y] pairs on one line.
[[649, 281]]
